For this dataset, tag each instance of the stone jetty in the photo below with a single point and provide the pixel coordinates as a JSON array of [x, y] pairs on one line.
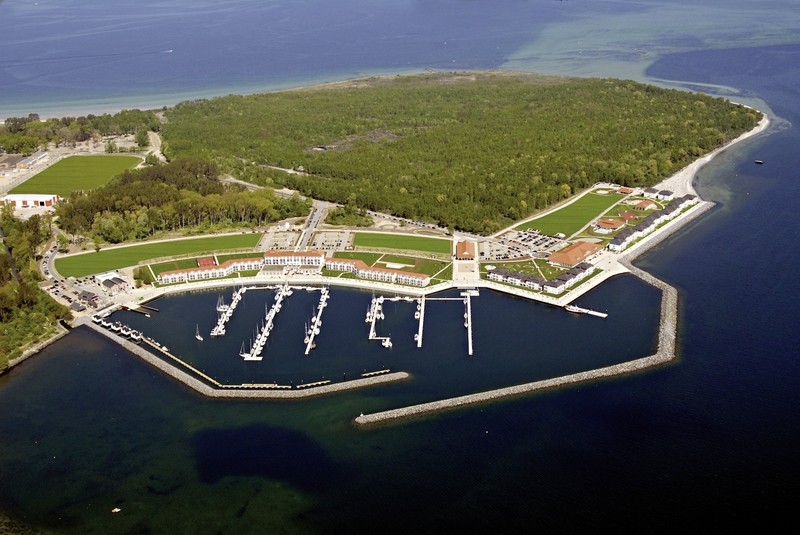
[[667, 337], [207, 386]]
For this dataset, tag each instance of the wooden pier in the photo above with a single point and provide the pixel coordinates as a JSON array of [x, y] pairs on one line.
[[261, 337], [374, 313], [467, 295], [316, 322], [225, 315], [420, 314]]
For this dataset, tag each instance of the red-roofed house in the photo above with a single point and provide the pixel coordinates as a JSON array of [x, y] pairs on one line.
[[573, 254], [607, 225], [465, 250]]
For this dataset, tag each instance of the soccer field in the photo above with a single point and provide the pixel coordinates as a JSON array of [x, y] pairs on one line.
[[108, 259], [398, 241], [77, 173], [572, 217]]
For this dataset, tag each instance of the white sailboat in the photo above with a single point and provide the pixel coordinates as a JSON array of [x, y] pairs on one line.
[[197, 333], [221, 305]]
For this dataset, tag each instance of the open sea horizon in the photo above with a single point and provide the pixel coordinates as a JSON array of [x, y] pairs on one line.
[[708, 441]]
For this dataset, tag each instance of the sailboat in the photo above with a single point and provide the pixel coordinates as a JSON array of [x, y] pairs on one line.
[[197, 332], [221, 305]]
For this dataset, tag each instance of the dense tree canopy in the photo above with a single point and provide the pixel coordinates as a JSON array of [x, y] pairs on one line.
[[473, 151], [25, 135], [26, 313], [180, 195]]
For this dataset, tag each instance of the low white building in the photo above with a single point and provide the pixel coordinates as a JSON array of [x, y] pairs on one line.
[[30, 200]]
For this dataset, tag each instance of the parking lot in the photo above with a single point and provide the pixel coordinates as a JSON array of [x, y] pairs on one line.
[[331, 240], [280, 239]]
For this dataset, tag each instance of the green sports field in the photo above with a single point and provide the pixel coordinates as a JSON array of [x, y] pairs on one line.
[[77, 173], [406, 243], [105, 260], [571, 218]]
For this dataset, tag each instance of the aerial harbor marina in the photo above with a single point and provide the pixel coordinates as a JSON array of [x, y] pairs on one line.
[[297, 270], [429, 266]]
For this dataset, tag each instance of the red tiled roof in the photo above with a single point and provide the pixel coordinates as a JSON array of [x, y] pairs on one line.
[[609, 223], [465, 250], [574, 254]]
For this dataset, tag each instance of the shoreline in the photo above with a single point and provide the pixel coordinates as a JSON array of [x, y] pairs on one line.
[[680, 183]]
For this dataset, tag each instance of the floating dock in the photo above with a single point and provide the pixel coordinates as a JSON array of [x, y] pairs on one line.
[[226, 311], [420, 315], [375, 313], [269, 318], [467, 295], [316, 321], [578, 310]]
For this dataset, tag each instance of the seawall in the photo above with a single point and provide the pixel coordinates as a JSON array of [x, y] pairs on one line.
[[209, 387]]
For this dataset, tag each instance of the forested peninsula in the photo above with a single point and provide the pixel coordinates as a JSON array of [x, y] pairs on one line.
[[471, 151]]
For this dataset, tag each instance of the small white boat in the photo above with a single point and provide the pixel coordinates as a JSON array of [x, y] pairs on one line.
[[197, 333]]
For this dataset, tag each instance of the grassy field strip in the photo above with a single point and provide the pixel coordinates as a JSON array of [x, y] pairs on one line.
[[436, 275], [395, 241], [77, 173], [108, 259], [573, 217]]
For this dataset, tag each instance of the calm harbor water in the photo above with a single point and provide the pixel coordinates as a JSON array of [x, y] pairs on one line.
[[709, 441], [442, 366]]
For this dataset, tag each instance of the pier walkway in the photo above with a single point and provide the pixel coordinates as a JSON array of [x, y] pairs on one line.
[[261, 337], [316, 322], [420, 314], [227, 312], [375, 313]]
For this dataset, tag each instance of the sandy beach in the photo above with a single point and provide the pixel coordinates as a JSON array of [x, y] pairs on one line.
[[682, 182]]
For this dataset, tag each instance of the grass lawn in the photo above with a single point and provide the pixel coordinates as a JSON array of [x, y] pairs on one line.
[[571, 218], [417, 265], [105, 260], [536, 268], [398, 259], [77, 173], [368, 258], [186, 263], [445, 275], [404, 242], [223, 257]]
